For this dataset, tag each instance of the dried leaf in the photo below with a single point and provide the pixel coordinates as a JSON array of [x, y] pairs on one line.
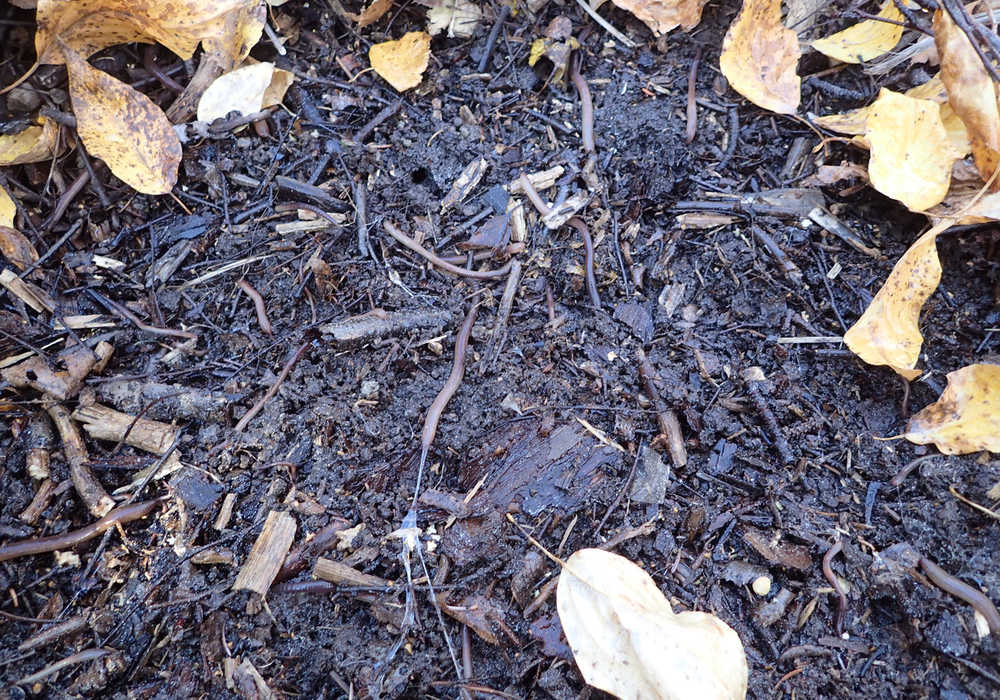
[[664, 15], [34, 144], [911, 155], [16, 247], [887, 332], [7, 208], [371, 14], [966, 417], [865, 40], [628, 641], [246, 90], [759, 57], [87, 26], [402, 63], [460, 17], [123, 127], [971, 93]]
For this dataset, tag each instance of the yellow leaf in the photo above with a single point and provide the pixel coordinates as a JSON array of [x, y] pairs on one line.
[[7, 208], [759, 57], [971, 93], [123, 127], [402, 63], [664, 15], [966, 417], [887, 332], [34, 144], [629, 642], [87, 26], [911, 155], [865, 40], [245, 90]]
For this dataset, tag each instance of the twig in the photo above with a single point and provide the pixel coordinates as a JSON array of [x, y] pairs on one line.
[[692, 107], [670, 427], [91, 492], [256, 408], [383, 114], [604, 23], [117, 308], [491, 41], [391, 229]]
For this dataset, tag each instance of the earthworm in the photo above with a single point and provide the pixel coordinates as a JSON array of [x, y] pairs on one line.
[[67, 540], [444, 396], [949, 584], [586, 104], [588, 263], [692, 109], [256, 408], [437, 261], [834, 550], [534, 197], [129, 316], [258, 304]]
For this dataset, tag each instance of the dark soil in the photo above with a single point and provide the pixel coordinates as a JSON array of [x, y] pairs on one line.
[[337, 446]]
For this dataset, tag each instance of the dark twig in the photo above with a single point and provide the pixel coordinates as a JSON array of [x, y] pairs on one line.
[[257, 407], [692, 107], [491, 41], [386, 112], [670, 427]]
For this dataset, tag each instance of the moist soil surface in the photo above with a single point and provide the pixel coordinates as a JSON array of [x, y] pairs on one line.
[[553, 430]]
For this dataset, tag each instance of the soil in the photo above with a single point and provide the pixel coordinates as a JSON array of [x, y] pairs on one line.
[[552, 424]]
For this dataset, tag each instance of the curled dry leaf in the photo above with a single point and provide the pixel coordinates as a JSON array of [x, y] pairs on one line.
[[759, 57], [16, 247], [628, 641], [664, 15], [246, 90], [911, 154], [865, 40], [371, 14], [402, 63], [123, 127], [966, 417], [34, 144], [887, 332], [971, 93], [460, 17]]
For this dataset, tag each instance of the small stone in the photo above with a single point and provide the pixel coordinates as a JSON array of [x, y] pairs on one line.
[[22, 99], [761, 585]]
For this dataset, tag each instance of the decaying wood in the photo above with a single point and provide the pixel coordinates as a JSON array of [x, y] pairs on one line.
[[379, 324], [91, 492], [30, 294], [225, 512], [267, 555], [105, 423], [670, 427], [344, 575], [36, 373], [43, 496]]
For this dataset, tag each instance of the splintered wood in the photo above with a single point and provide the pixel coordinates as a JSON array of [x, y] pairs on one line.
[[344, 575], [106, 423], [268, 553]]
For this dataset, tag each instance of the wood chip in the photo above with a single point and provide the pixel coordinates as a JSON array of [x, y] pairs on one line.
[[268, 552], [31, 295], [344, 575], [104, 423]]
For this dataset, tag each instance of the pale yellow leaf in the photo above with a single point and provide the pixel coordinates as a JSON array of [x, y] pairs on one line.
[[971, 93], [7, 208], [460, 17], [123, 127], [627, 640], [759, 57], [911, 154], [402, 63], [88, 26], [664, 15], [246, 90], [888, 332], [966, 417], [865, 40], [34, 144]]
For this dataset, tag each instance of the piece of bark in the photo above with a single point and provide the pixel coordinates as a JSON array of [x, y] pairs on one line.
[[344, 575], [105, 423], [268, 553], [33, 296], [91, 492], [36, 373]]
